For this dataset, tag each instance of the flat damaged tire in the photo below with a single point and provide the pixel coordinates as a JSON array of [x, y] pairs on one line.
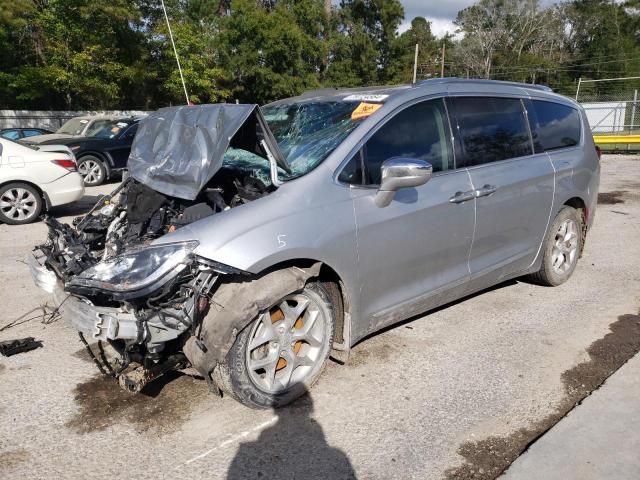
[[280, 354], [562, 249]]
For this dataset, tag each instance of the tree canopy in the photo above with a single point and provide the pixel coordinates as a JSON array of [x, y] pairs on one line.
[[88, 54]]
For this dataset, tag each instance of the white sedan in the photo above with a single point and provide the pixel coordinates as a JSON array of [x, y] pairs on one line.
[[33, 179]]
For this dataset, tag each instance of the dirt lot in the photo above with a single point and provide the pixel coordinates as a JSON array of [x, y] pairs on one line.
[[455, 393]]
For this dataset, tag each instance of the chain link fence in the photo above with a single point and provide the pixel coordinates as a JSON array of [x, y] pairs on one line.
[[612, 107]]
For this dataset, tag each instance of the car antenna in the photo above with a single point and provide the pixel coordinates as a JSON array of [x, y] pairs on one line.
[[184, 86]]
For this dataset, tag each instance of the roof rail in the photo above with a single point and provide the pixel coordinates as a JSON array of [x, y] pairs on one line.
[[537, 86]]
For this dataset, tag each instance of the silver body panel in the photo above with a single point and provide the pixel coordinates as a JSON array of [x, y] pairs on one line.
[[420, 251]]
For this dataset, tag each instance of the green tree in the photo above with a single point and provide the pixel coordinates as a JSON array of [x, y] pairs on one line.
[[400, 69], [72, 53], [266, 52], [371, 29]]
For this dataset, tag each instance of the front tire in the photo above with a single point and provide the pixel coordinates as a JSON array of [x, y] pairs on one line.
[[20, 203], [561, 249], [282, 353], [92, 170]]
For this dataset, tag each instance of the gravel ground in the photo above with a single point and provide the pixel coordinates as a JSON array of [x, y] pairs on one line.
[[402, 407]]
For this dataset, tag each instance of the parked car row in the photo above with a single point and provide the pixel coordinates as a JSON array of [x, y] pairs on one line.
[[40, 169], [101, 145]]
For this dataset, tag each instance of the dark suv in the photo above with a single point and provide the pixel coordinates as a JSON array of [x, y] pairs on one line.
[[104, 150]]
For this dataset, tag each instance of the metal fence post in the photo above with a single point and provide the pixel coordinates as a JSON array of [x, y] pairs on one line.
[[633, 110], [578, 89], [633, 115]]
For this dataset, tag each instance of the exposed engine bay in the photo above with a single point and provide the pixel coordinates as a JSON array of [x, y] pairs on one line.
[[104, 251], [108, 277], [134, 215]]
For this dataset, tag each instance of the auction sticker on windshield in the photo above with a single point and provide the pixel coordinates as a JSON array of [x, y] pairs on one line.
[[364, 110]]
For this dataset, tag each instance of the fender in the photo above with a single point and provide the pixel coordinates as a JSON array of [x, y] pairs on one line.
[[234, 305], [284, 228]]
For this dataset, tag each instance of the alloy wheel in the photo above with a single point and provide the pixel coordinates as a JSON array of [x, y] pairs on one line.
[[90, 171], [285, 345], [18, 204], [564, 252]]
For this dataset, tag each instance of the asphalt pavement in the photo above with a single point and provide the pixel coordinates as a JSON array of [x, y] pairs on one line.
[[456, 393]]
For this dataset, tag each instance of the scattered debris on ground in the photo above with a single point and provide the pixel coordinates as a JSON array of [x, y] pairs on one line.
[[47, 315], [611, 198], [19, 345], [488, 458]]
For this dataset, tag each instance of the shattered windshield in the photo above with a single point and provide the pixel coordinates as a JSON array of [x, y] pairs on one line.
[[307, 132]]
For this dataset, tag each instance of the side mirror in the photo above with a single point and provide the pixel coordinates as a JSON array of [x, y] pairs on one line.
[[400, 173]]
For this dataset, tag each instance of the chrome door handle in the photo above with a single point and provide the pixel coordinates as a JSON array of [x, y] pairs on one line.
[[485, 191], [460, 197]]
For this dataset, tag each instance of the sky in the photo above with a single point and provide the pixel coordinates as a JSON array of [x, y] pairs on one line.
[[441, 13]]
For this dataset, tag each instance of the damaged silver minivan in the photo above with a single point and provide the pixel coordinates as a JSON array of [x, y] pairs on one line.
[[253, 243]]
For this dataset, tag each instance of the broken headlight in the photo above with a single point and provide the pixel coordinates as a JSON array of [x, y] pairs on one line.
[[138, 272]]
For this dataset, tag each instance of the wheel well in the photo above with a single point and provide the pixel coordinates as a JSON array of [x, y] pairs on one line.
[[578, 204], [98, 155], [338, 295], [43, 195]]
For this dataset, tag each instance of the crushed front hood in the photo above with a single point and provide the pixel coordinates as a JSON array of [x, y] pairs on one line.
[[177, 150]]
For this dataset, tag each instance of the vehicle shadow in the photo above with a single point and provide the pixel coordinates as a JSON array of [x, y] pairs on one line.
[[294, 447], [79, 207]]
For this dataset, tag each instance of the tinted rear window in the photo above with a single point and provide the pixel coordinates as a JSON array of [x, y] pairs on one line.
[[490, 129], [554, 125], [31, 133], [11, 134]]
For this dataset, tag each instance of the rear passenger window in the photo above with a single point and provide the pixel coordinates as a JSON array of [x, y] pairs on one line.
[[420, 132], [11, 134], [554, 126], [490, 129]]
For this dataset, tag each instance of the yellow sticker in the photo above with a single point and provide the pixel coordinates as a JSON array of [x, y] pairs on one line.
[[364, 110]]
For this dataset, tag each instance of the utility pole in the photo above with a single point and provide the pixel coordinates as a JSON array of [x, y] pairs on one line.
[[415, 64], [442, 61], [326, 34]]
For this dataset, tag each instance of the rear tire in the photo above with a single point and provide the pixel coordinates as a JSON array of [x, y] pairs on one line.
[[282, 353], [562, 248], [20, 203], [92, 170]]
